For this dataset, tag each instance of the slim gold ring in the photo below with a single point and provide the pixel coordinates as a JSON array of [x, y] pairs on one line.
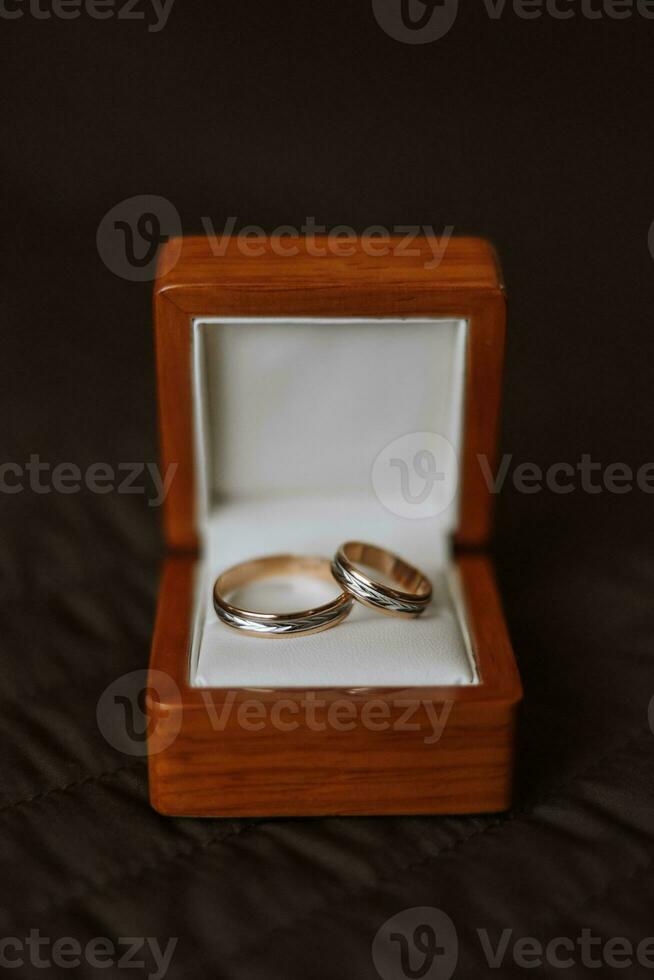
[[409, 601], [301, 623]]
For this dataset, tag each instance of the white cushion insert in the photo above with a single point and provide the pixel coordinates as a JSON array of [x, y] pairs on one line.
[[290, 417]]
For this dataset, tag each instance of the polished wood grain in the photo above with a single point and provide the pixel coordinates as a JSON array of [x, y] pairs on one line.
[[467, 283], [202, 766]]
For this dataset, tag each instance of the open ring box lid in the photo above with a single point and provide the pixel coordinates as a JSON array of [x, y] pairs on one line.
[[311, 394]]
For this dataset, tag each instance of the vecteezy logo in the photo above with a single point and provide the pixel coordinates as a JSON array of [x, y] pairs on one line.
[[122, 716], [416, 475], [415, 21], [417, 944], [131, 233]]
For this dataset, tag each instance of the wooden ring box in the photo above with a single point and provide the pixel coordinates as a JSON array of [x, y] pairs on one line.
[[282, 379]]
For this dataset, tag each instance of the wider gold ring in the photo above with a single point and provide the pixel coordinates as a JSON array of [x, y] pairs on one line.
[[301, 623]]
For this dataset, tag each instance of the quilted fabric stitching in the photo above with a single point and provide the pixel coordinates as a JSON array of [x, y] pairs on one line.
[[67, 787], [155, 865]]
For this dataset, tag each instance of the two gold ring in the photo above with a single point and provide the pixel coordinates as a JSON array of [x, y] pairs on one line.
[[407, 597]]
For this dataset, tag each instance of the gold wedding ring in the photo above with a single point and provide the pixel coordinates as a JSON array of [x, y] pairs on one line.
[[300, 623], [411, 599]]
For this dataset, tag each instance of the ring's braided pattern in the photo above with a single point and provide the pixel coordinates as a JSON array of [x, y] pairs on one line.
[[285, 626], [366, 593]]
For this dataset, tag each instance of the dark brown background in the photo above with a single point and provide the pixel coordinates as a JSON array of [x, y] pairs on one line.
[[537, 134]]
